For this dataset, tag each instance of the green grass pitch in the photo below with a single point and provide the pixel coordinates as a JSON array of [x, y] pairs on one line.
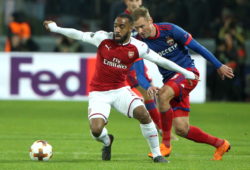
[[65, 126]]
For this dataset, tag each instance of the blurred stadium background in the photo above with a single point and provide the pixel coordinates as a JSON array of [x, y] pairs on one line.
[[225, 110], [206, 20]]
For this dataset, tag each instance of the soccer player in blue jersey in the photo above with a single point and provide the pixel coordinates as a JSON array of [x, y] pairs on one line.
[[173, 43]]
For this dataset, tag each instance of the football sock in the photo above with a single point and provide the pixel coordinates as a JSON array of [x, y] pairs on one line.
[[166, 119], [104, 137], [149, 131], [153, 111], [199, 136]]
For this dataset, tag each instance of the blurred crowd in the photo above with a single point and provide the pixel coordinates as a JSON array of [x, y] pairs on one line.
[[202, 18], [225, 21]]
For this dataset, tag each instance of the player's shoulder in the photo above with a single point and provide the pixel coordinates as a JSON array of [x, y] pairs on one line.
[[170, 28], [102, 34], [142, 47], [165, 26], [138, 43]]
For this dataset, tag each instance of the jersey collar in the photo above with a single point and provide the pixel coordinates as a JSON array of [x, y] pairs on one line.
[[124, 44], [157, 32]]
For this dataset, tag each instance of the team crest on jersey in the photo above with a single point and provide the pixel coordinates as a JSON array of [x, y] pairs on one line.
[[131, 54], [170, 41]]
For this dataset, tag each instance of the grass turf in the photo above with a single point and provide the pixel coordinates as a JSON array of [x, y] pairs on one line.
[[65, 126]]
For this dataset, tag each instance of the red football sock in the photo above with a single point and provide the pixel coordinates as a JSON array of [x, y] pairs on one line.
[[166, 119], [154, 113], [197, 135]]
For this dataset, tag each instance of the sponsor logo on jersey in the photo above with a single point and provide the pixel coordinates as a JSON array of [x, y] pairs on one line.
[[115, 63], [108, 47], [131, 54], [168, 50]]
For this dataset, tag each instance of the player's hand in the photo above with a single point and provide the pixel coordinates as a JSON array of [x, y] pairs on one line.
[[49, 25], [152, 91], [190, 80], [225, 71], [190, 75]]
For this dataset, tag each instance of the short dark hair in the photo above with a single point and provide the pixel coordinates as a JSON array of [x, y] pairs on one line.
[[129, 17]]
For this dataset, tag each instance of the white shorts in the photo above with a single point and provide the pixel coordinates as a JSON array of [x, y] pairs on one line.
[[123, 99]]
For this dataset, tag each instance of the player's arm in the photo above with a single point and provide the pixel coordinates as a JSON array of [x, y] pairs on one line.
[[142, 80], [186, 39], [140, 74], [222, 69], [88, 37], [197, 47], [167, 64]]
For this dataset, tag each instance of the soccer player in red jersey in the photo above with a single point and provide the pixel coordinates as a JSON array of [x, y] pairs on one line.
[[116, 52], [172, 42]]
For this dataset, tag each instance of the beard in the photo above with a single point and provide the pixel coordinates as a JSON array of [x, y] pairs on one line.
[[121, 41]]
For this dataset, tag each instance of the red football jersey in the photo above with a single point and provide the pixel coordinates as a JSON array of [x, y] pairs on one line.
[[113, 61]]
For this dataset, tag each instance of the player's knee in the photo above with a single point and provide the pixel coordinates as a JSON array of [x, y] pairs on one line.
[[142, 115], [96, 131], [166, 94], [181, 130], [164, 105], [96, 127]]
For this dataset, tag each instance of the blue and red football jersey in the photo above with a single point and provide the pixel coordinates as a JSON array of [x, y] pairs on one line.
[[170, 42]]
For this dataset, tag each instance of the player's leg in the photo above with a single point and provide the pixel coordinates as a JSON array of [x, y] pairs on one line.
[[99, 109], [149, 131], [100, 133], [149, 101], [182, 128], [151, 106], [181, 121], [166, 94], [132, 106]]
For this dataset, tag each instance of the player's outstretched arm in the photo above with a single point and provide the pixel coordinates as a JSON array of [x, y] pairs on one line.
[[223, 70], [88, 37], [169, 65], [69, 32]]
